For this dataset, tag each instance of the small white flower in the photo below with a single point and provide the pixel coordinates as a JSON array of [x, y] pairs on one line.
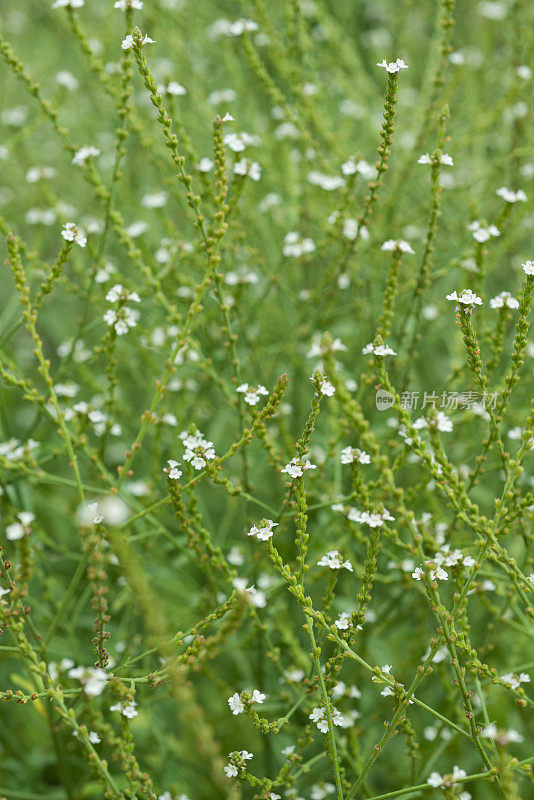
[[265, 531], [444, 159], [350, 454], [343, 621], [123, 5], [230, 770], [418, 573], [71, 233], [334, 560], [393, 66], [236, 704], [398, 244], [481, 233], [326, 388], [378, 350], [510, 196], [248, 168], [129, 42], [173, 472], [296, 468], [93, 737], [205, 165], [435, 779], [81, 155], [126, 709], [252, 395], [504, 299], [257, 696], [65, 3], [466, 297], [528, 267]]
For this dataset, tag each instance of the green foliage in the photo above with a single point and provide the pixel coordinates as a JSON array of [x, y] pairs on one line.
[[244, 553]]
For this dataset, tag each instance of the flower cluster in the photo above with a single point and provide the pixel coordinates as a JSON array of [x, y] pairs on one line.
[[296, 246], [252, 394], [350, 454], [121, 318], [198, 450], [378, 349], [264, 530], [237, 702], [334, 560], [297, 467], [393, 66], [237, 762], [71, 233]]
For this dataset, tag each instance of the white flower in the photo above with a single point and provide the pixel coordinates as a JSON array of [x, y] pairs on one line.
[[265, 531], [510, 196], [343, 621], [398, 244], [230, 770], [350, 454], [252, 395], [205, 165], [418, 573], [71, 233], [93, 680], [257, 696], [4, 591], [129, 42], [173, 472], [444, 159], [14, 532], [65, 3], [504, 299], [237, 142], [334, 560], [236, 704], [93, 737], [327, 182], [528, 267], [352, 166], [175, 88], [296, 468], [123, 5], [378, 350], [458, 773], [326, 388], [482, 234], [296, 246], [126, 709], [466, 297], [81, 155], [393, 66], [248, 168], [435, 779], [154, 200]]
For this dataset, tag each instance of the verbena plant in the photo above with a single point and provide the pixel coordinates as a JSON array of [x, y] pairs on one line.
[[266, 405]]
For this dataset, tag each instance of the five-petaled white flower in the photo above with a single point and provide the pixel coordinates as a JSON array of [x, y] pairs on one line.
[[236, 704], [172, 471], [528, 267]]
